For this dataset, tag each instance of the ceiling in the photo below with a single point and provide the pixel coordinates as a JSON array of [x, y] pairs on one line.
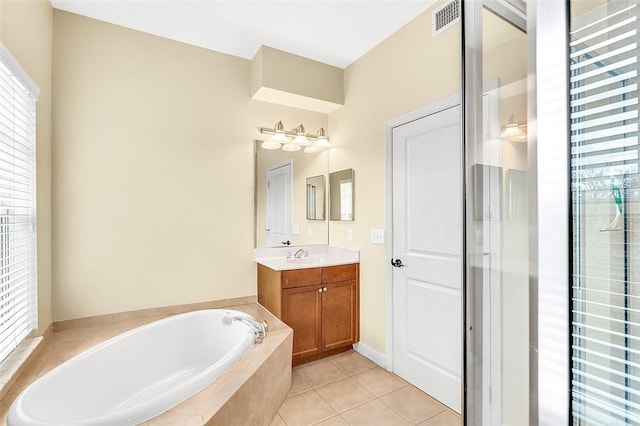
[[336, 32]]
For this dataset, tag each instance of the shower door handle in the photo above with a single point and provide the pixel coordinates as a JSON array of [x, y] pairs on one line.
[[397, 263]]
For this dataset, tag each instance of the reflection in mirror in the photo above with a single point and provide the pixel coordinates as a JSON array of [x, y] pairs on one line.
[[315, 198], [274, 207], [278, 218], [341, 195]]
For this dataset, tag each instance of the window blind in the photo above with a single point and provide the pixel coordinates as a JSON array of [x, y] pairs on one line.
[[606, 234], [18, 301]]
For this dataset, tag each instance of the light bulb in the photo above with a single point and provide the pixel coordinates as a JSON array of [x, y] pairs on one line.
[[291, 147], [270, 144], [312, 149]]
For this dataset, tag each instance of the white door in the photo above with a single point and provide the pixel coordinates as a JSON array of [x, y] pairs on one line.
[[427, 242], [279, 204]]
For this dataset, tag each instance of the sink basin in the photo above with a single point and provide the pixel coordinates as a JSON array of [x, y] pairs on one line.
[[306, 260]]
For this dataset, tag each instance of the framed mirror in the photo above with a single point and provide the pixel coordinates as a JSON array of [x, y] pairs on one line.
[[280, 197], [342, 194], [316, 198]]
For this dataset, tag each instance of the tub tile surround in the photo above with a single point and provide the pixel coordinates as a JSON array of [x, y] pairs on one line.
[[276, 257], [349, 389], [256, 381]]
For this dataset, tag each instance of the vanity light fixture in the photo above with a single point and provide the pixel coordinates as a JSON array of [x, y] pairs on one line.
[[279, 137], [513, 132], [301, 139], [322, 141]]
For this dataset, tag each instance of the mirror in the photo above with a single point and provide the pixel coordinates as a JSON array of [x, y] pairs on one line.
[[315, 198], [281, 207], [341, 195]]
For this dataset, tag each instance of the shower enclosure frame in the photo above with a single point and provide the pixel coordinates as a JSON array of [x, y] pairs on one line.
[[549, 206]]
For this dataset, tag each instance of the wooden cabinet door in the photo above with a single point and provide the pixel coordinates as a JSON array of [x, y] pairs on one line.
[[339, 315], [301, 310]]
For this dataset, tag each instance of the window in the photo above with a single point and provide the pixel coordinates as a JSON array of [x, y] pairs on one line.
[[18, 289], [606, 193], [346, 197]]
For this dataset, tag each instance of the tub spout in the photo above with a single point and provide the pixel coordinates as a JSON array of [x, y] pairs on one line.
[[259, 328]]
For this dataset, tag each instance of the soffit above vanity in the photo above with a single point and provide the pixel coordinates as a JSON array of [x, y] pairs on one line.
[[284, 78]]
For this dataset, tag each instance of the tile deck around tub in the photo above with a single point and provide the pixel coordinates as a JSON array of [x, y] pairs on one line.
[[349, 389]]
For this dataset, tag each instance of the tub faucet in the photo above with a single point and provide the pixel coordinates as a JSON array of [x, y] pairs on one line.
[[300, 253], [259, 328]]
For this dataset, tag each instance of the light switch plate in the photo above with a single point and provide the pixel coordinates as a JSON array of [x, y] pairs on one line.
[[349, 234], [377, 236], [295, 229], [310, 231]]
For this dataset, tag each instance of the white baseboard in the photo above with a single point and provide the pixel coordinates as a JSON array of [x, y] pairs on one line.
[[367, 351]]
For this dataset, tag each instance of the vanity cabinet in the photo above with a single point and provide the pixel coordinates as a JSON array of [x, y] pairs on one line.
[[321, 305]]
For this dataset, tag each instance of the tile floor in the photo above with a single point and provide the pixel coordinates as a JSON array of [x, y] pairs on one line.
[[340, 390], [349, 389]]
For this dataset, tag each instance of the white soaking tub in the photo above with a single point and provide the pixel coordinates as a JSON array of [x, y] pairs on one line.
[[136, 375]]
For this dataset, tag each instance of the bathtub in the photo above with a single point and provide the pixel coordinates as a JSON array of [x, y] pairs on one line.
[[137, 375]]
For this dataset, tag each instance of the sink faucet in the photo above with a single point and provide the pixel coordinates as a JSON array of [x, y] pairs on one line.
[[259, 328], [300, 253]]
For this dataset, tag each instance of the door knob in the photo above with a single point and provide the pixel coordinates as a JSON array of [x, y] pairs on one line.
[[397, 263]]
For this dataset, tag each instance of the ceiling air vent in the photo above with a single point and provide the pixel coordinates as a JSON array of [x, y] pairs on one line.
[[444, 17]]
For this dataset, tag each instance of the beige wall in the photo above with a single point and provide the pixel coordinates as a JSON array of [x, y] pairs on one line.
[[26, 30], [152, 170], [407, 71]]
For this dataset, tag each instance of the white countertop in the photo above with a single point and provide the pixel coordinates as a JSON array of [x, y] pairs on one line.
[[281, 258]]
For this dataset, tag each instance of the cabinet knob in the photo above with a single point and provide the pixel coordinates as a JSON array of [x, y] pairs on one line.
[[319, 290], [324, 289]]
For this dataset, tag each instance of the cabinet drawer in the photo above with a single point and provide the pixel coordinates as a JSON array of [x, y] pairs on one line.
[[301, 277], [332, 274]]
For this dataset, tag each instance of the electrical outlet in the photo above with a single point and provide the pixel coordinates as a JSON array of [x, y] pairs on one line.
[[310, 231], [350, 234], [377, 236]]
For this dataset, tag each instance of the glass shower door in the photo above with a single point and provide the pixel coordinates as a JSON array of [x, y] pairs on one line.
[[497, 221]]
